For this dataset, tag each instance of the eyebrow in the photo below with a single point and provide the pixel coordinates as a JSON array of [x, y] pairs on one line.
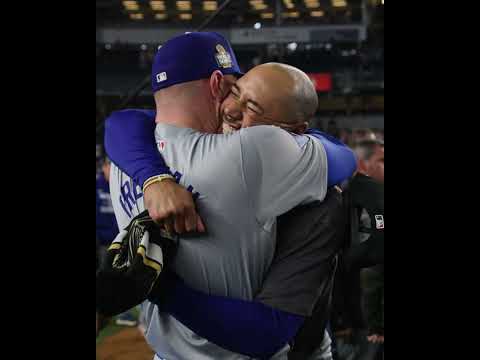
[[252, 102]]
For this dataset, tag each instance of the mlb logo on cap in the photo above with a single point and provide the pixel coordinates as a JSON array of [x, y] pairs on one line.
[[161, 77]]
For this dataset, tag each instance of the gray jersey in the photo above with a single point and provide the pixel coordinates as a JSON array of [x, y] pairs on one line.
[[242, 182]]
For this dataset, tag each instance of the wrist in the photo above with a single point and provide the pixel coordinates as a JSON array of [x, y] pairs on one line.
[[156, 179]]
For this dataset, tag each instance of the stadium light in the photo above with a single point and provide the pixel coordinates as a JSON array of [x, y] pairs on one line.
[[186, 16], [160, 16], [317, 13], [312, 4], [288, 4], [130, 5], [291, 14], [292, 46], [157, 5], [258, 4], [210, 5], [136, 16], [339, 3], [184, 5]]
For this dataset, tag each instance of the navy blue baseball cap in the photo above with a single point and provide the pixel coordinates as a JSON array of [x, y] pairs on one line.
[[192, 56]]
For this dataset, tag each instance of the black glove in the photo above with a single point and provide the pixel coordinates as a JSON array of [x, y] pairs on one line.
[[142, 237], [135, 260]]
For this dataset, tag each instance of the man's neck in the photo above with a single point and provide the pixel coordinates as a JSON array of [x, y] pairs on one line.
[[184, 119]]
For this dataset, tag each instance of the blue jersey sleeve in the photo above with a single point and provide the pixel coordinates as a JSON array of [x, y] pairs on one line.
[[245, 327], [341, 162], [130, 144]]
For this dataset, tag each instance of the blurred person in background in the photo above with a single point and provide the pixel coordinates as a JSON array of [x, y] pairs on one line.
[[363, 134], [346, 136], [332, 128], [371, 156], [379, 134], [358, 319], [107, 228]]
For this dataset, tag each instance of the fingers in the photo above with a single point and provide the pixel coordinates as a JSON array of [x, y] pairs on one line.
[[179, 223], [190, 219], [168, 223], [157, 215], [200, 226], [172, 205], [183, 217]]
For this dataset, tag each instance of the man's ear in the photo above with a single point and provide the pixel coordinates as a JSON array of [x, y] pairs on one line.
[[302, 128], [299, 128], [216, 82]]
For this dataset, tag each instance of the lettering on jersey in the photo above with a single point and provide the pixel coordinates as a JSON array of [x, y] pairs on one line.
[[195, 194], [178, 176], [129, 195], [124, 207], [130, 192]]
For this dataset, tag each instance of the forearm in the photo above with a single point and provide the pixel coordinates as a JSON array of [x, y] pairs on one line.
[[130, 144], [244, 327], [340, 159]]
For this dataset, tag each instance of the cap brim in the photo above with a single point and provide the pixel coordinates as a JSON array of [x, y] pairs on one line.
[[237, 74]]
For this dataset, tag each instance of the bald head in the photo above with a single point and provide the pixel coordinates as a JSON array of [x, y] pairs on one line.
[[302, 94], [272, 93]]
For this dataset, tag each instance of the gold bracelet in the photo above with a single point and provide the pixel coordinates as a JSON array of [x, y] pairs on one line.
[[155, 179]]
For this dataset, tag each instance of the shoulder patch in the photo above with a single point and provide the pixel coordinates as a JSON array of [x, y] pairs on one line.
[[379, 222]]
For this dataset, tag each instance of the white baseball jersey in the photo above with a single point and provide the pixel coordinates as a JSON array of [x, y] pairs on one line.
[[242, 182]]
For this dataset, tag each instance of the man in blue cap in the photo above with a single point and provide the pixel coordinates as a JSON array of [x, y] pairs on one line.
[[188, 108]]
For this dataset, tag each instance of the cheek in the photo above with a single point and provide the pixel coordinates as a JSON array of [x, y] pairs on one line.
[[228, 105]]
